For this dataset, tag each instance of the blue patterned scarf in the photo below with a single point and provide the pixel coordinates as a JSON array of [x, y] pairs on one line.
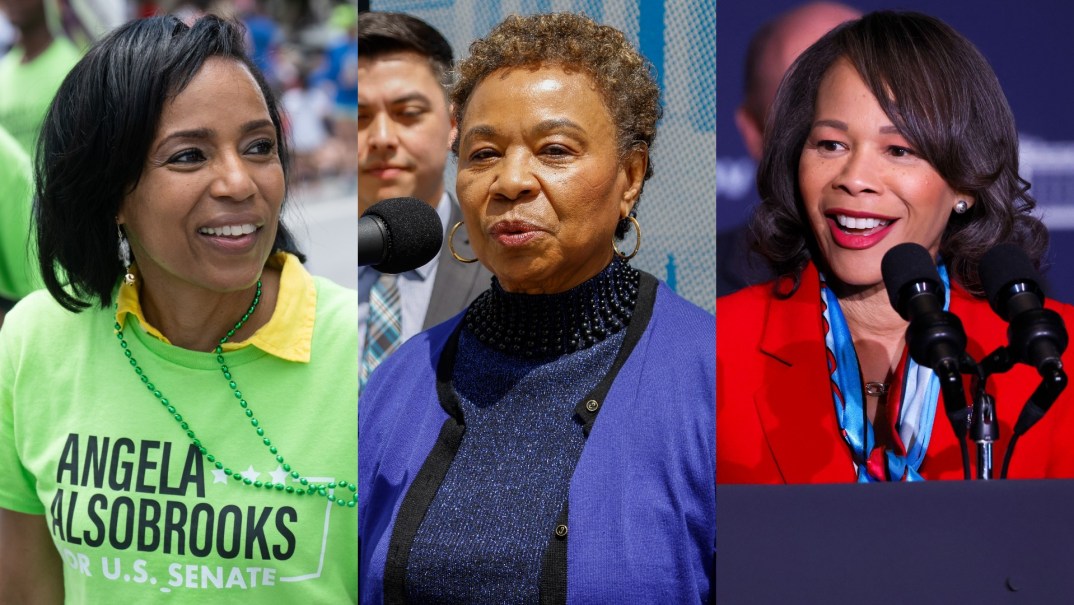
[[913, 399]]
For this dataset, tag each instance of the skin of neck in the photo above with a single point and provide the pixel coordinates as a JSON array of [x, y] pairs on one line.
[[34, 39], [196, 319], [553, 287], [878, 331], [879, 335], [433, 199]]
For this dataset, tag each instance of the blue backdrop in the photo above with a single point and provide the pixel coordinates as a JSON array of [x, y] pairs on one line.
[[1028, 43]]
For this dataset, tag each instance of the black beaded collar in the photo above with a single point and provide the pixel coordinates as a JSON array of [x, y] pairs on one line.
[[550, 325]]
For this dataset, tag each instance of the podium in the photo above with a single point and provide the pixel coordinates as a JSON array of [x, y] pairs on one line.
[[938, 542]]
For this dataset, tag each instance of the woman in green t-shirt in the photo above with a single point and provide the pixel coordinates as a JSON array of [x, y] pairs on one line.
[[178, 411]]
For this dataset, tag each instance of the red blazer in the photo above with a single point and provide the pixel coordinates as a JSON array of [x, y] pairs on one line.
[[775, 420]]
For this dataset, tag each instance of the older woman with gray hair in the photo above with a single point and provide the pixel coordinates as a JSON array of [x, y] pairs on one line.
[[555, 441]]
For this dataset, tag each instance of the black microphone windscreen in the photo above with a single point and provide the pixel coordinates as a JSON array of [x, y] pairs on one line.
[[1002, 267], [415, 233], [907, 264]]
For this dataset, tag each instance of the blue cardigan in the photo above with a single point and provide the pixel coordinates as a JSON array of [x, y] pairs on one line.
[[642, 503]]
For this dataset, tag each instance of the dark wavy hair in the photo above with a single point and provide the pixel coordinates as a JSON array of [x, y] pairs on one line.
[[943, 96], [622, 75], [96, 136], [382, 33]]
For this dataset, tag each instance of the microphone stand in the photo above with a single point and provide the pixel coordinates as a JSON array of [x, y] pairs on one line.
[[936, 339], [1053, 381], [954, 402], [984, 430], [984, 427]]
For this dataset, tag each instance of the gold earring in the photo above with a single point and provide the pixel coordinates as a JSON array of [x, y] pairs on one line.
[[451, 245], [637, 243]]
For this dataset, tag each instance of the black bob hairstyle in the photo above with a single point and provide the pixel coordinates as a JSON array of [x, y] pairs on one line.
[[943, 96], [96, 136]]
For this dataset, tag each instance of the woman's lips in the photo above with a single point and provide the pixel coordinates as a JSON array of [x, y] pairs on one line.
[[237, 238], [858, 230], [514, 233], [385, 172]]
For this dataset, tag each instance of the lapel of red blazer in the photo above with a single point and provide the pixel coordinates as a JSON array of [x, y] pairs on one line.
[[794, 402]]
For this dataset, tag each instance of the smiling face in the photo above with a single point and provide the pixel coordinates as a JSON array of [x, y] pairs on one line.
[[404, 129], [205, 211], [540, 180], [864, 187]]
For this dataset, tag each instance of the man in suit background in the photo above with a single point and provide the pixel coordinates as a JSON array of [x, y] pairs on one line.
[[405, 130]]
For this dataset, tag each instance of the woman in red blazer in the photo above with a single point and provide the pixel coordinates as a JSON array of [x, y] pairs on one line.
[[890, 129]]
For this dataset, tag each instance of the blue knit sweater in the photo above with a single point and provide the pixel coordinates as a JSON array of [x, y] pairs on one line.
[[486, 531], [640, 504]]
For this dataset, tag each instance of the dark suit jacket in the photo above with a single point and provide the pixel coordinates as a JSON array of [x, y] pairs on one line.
[[775, 419], [456, 284]]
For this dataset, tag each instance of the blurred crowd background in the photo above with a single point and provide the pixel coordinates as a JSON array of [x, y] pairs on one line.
[[305, 47]]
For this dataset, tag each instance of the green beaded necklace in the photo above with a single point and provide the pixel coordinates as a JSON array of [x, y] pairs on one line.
[[308, 488]]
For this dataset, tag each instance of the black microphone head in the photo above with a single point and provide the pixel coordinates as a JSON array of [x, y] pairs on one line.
[[415, 233], [1005, 272], [905, 265]]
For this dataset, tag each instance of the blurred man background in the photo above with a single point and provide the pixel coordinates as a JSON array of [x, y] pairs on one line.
[[30, 73], [32, 70], [17, 270]]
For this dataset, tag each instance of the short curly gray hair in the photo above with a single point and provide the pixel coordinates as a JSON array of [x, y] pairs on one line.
[[622, 75]]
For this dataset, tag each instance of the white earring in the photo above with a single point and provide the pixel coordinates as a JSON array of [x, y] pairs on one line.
[[961, 207], [125, 256]]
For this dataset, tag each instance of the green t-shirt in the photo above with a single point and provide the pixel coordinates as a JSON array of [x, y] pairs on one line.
[[18, 269], [26, 90], [136, 513]]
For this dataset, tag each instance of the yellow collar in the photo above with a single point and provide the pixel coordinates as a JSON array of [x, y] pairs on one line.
[[288, 333]]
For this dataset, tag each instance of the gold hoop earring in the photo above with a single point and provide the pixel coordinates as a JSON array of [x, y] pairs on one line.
[[451, 245], [637, 243]]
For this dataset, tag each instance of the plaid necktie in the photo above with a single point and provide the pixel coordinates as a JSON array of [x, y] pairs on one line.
[[384, 326]]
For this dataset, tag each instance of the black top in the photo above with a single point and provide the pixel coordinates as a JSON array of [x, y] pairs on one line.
[[550, 325]]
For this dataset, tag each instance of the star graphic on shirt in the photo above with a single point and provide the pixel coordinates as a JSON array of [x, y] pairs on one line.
[[250, 474], [279, 475], [219, 476]]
